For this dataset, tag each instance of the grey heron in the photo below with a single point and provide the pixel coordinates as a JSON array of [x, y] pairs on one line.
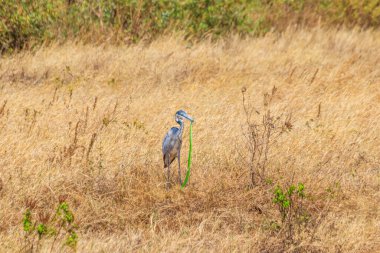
[[171, 146]]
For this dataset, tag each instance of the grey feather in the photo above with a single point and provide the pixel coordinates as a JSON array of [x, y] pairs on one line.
[[171, 145]]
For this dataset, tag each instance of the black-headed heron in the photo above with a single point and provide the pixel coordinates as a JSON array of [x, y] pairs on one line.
[[171, 146]]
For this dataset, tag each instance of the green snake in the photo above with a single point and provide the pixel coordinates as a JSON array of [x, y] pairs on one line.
[[189, 158]]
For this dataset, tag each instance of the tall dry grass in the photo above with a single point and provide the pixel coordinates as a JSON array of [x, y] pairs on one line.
[[87, 122]]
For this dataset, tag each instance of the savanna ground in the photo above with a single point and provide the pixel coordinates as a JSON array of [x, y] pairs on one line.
[[84, 123]]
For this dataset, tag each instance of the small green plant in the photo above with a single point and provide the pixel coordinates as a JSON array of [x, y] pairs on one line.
[[41, 230], [59, 226], [290, 205], [27, 221], [65, 214], [285, 199]]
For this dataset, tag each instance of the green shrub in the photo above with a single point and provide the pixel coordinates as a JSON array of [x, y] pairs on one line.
[[53, 225], [295, 220], [28, 23]]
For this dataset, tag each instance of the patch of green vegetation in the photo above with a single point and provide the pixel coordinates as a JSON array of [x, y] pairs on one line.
[[29, 23], [60, 224], [284, 198], [294, 217]]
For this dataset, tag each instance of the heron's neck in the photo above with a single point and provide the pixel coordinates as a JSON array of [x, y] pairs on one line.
[[181, 126]]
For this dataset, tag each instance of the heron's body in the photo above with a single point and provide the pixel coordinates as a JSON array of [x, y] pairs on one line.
[[171, 145]]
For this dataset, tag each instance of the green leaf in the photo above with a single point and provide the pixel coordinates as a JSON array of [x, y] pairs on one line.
[[41, 229], [286, 203], [300, 189], [27, 221], [72, 239], [291, 190]]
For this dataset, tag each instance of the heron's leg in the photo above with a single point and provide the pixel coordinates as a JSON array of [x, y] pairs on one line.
[[179, 166], [168, 174]]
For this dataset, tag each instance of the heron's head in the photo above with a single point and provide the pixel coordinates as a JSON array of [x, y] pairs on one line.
[[181, 115]]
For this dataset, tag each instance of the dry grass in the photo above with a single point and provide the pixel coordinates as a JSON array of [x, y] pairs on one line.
[[87, 121]]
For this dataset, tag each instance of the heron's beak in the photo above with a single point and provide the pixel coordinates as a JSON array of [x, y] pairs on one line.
[[188, 117]]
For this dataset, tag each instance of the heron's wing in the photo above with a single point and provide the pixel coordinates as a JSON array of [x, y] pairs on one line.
[[169, 145], [170, 140]]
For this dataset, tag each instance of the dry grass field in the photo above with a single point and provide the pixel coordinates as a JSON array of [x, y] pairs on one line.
[[85, 123]]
